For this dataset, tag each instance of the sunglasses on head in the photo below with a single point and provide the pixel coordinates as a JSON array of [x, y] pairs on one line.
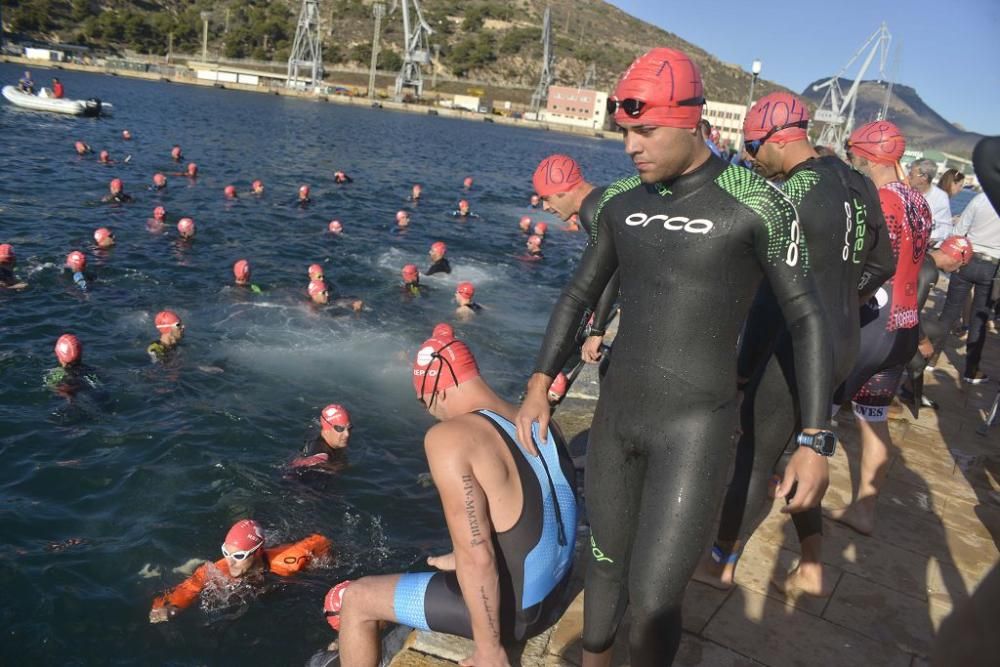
[[239, 555], [633, 108], [753, 146]]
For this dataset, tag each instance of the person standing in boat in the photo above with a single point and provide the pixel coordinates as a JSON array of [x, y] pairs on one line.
[[26, 84], [57, 89]]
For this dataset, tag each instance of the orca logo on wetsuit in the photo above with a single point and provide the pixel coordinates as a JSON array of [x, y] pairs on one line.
[[677, 223]]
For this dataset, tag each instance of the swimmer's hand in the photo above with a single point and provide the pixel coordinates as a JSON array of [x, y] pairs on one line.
[[483, 657], [534, 407], [809, 473], [162, 614], [590, 351], [445, 563]]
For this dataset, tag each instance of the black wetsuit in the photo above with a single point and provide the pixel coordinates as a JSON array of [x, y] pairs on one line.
[[930, 327], [534, 557], [851, 254], [7, 277], [602, 311], [118, 198], [692, 253], [440, 266]]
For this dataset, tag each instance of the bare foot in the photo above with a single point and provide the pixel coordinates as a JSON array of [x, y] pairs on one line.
[[859, 515], [716, 575], [806, 578]]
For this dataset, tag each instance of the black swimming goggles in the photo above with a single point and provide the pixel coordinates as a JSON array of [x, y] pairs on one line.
[[437, 376], [753, 146], [633, 108]]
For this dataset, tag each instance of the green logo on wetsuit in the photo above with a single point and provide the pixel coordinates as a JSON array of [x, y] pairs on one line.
[[613, 190], [597, 553]]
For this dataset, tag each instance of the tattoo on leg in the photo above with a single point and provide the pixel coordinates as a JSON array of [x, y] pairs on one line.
[[470, 510], [489, 612]]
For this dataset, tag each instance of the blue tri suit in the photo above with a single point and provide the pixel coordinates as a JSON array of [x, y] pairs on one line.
[[534, 557]]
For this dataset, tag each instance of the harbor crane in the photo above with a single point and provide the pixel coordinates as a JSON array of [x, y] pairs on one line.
[[416, 51], [541, 94], [307, 50]]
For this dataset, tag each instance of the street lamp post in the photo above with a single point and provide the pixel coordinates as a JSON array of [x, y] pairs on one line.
[[754, 73], [204, 36]]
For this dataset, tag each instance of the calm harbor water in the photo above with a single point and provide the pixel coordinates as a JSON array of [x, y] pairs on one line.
[[104, 496]]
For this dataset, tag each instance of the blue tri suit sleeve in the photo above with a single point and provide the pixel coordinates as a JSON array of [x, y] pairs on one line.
[[783, 254], [598, 264]]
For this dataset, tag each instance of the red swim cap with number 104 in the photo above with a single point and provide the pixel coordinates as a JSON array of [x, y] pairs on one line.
[[555, 174], [778, 109], [667, 83]]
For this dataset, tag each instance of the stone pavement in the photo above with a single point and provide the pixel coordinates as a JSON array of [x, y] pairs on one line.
[[937, 535]]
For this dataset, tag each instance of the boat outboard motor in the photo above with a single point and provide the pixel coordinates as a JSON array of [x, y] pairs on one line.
[[94, 106]]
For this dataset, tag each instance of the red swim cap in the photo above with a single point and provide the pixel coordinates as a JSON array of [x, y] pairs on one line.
[[443, 331], [555, 174], [76, 261], [126, 135], [316, 287], [230, 191], [103, 155], [773, 111], [439, 247], [80, 146], [410, 272], [116, 185], [335, 227], [167, 319], [101, 234], [466, 289], [541, 228], [159, 179], [185, 226], [315, 272], [257, 185], [333, 602], [159, 213], [334, 415], [68, 349], [559, 385], [175, 152], [668, 82], [879, 141], [6, 253], [192, 169], [245, 535], [241, 270], [524, 221], [303, 190], [442, 364], [467, 182], [463, 203], [958, 248], [401, 214]]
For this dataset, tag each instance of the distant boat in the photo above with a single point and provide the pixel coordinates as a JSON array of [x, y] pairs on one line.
[[45, 102]]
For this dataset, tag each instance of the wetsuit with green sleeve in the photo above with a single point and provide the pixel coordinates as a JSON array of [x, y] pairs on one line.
[[851, 255], [692, 252]]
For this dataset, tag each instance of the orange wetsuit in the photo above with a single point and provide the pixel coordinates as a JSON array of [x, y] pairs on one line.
[[284, 560]]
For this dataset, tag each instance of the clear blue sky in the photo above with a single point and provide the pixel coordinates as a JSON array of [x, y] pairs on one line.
[[950, 48]]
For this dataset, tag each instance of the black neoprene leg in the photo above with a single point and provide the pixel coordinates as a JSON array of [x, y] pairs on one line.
[[612, 487], [687, 463]]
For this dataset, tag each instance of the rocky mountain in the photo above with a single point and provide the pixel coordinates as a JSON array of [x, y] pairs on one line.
[[921, 125]]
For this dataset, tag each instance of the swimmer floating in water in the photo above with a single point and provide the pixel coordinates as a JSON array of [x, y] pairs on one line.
[[341, 177], [467, 183], [116, 192], [186, 229], [304, 199], [104, 157], [159, 182], [464, 294], [175, 153], [171, 329], [71, 375], [8, 260], [535, 201], [402, 220], [330, 446], [524, 224], [76, 265], [104, 238], [534, 246], [257, 187], [439, 263], [415, 193], [244, 555], [229, 192], [319, 294], [540, 229], [411, 281], [335, 227], [82, 148], [241, 273], [463, 211]]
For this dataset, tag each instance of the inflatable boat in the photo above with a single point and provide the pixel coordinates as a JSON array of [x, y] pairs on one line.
[[45, 102]]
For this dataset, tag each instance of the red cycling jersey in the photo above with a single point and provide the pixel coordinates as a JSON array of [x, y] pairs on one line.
[[908, 219]]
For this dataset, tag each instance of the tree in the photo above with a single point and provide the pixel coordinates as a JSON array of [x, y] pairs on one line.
[[389, 60]]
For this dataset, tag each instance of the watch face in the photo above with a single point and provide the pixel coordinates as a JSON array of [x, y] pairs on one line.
[[826, 443]]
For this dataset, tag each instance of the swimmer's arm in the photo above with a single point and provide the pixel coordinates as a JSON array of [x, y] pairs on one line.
[[180, 597], [784, 260], [880, 263], [466, 511], [603, 308], [598, 264]]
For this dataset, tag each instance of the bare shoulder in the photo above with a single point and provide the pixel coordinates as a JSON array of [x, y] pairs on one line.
[[461, 436]]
